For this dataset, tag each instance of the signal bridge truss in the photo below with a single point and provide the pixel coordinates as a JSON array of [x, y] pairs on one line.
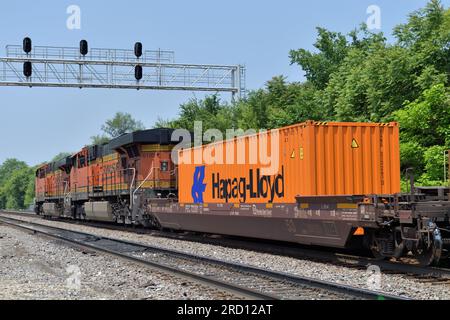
[[112, 68]]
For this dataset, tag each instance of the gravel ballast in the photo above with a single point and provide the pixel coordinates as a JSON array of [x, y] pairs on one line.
[[395, 284], [37, 268]]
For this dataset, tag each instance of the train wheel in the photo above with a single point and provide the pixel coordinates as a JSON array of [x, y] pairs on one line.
[[393, 243], [375, 248], [429, 251]]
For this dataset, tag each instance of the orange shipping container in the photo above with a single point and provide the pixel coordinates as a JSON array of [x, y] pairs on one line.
[[308, 159]]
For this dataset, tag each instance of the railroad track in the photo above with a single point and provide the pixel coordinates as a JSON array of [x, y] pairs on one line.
[[238, 279], [323, 255]]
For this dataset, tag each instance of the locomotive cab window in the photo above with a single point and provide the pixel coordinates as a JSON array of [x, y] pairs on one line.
[[164, 166], [82, 161]]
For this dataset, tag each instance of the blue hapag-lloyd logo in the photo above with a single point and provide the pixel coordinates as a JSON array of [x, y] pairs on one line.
[[198, 186]]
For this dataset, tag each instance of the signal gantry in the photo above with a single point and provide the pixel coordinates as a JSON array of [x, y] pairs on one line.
[[84, 67]]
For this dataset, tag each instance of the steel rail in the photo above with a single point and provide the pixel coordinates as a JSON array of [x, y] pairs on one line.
[[285, 250], [214, 283], [274, 276]]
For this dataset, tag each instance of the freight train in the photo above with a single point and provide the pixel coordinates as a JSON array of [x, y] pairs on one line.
[[315, 183]]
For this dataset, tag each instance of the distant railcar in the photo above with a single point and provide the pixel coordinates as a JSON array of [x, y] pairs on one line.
[[52, 184]]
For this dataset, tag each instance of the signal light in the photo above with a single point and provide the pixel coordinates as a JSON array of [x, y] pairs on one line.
[[138, 49], [138, 72], [359, 232], [27, 69], [84, 48], [27, 45]]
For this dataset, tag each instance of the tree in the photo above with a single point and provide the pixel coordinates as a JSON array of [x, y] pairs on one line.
[[8, 168], [427, 34], [279, 104], [99, 139], [333, 48], [434, 160], [30, 190], [122, 123], [15, 182], [210, 111], [16, 188], [427, 119], [425, 133]]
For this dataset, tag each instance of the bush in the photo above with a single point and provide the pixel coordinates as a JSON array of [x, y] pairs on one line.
[[434, 166]]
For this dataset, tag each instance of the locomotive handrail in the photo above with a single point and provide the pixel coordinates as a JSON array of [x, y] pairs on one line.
[[145, 180], [66, 194], [112, 178], [131, 186], [174, 173]]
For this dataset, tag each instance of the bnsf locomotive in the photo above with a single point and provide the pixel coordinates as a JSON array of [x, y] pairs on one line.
[[110, 182], [315, 183]]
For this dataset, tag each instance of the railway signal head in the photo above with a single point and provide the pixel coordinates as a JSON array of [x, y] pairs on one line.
[[138, 49], [27, 45], [84, 48], [27, 69], [138, 72]]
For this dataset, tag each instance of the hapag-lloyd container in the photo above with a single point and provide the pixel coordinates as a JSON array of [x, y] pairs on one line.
[[314, 159]]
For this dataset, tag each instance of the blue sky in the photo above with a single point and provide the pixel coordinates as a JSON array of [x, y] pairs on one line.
[[38, 123]]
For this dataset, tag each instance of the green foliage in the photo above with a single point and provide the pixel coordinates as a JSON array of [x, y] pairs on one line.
[[371, 85], [427, 119], [434, 166], [333, 48], [100, 139], [122, 123], [30, 190], [9, 167], [16, 185], [210, 111], [427, 35], [412, 154], [280, 104], [425, 134]]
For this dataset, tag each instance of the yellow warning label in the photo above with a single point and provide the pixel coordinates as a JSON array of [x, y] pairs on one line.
[[302, 153], [355, 144], [293, 155]]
